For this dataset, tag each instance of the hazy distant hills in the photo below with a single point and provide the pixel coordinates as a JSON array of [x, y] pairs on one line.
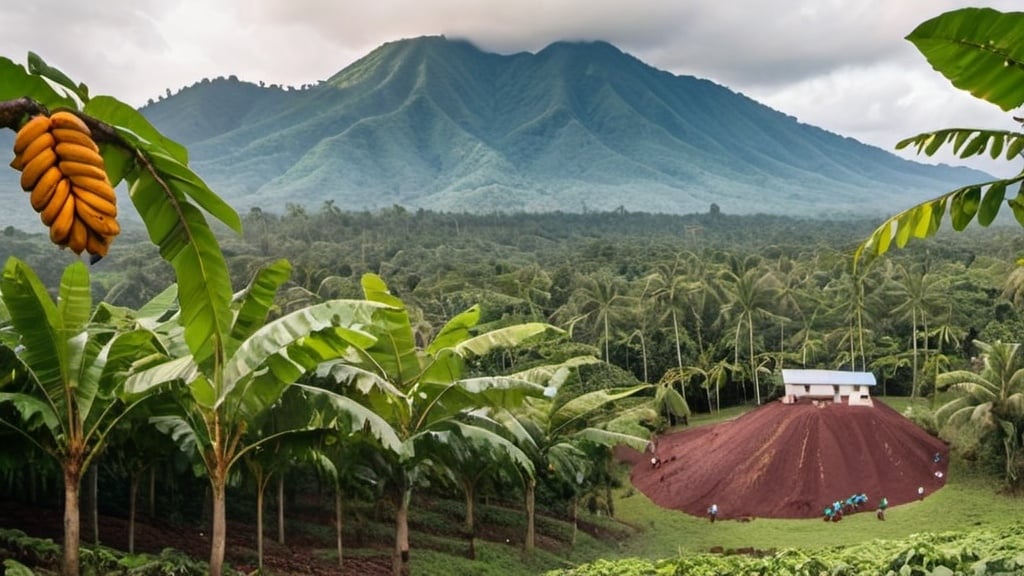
[[439, 124]]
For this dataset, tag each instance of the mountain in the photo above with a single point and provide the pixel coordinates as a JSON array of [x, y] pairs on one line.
[[439, 124]]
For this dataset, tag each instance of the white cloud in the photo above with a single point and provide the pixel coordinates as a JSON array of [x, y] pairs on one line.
[[837, 64]]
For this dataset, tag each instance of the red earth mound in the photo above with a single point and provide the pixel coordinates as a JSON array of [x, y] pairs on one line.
[[792, 460]]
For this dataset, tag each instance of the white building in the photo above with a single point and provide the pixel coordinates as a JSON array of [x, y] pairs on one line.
[[834, 384]]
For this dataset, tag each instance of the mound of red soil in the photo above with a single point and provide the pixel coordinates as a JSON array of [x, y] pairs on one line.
[[791, 460]]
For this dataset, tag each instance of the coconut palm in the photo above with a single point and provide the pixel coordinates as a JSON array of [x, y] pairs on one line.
[[749, 295], [919, 294], [992, 400]]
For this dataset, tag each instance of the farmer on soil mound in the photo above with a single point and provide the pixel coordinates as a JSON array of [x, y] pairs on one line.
[[786, 460]]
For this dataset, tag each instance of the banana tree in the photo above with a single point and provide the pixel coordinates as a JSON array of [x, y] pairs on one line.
[[552, 429], [219, 391], [981, 51], [70, 363], [432, 393]]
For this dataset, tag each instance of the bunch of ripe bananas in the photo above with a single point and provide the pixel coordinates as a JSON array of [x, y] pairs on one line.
[[61, 166]]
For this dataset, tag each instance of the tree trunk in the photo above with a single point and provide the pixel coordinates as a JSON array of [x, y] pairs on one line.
[[400, 557], [133, 493], [531, 534], [72, 527], [218, 543], [575, 523], [753, 362], [261, 486], [280, 509], [338, 521], [470, 498]]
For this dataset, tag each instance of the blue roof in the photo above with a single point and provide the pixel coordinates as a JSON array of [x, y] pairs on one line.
[[827, 377]]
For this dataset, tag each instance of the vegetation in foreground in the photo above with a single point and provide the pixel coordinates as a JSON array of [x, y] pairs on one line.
[[74, 376]]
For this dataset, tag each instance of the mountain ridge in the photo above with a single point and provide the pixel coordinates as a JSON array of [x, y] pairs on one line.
[[437, 123]]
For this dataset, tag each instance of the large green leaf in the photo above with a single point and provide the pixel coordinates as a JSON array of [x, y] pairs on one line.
[[609, 438], [455, 331], [395, 354], [124, 118], [979, 50], [258, 299], [440, 402], [341, 413], [35, 317], [580, 408], [189, 245], [923, 220], [374, 390], [504, 337], [74, 303], [274, 337], [36, 65], [15, 83], [145, 381], [478, 437], [31, 410]]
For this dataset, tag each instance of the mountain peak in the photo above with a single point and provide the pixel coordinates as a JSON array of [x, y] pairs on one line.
[[437, 123]]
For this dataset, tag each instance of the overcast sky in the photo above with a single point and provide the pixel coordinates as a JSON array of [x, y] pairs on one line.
[[842, 65]]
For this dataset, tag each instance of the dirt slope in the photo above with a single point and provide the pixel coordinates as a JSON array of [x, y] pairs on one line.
[[791, 460]]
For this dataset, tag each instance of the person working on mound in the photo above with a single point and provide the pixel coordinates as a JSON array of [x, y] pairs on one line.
[[882, 505], [713, 512]]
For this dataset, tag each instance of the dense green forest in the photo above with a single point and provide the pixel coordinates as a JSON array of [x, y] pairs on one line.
[[652, 294]]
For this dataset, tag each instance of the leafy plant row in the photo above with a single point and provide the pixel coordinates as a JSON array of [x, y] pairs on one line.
[[982, 552]]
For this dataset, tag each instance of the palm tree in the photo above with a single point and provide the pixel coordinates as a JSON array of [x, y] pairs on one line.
[[68, 361], [855, 295], [749, 295], [993, 400], [920, 295], [671, 289], [601, 299]]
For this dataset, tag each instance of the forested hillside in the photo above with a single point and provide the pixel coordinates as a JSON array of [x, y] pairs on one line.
[[438, 124]]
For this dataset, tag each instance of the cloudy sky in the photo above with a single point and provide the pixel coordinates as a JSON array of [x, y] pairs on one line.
[[839, 64]]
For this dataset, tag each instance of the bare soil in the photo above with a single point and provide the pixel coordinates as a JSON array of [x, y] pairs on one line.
[[792, 460]]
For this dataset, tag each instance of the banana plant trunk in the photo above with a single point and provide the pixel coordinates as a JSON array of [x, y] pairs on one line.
[[133, 497], [338, 521], [260, 491], [531, 509], [218, 544], [72, 520], [280, 509], [400, 557], [470, 491]]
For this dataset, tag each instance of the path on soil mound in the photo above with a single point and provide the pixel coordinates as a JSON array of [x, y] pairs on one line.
[[791, 460]]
